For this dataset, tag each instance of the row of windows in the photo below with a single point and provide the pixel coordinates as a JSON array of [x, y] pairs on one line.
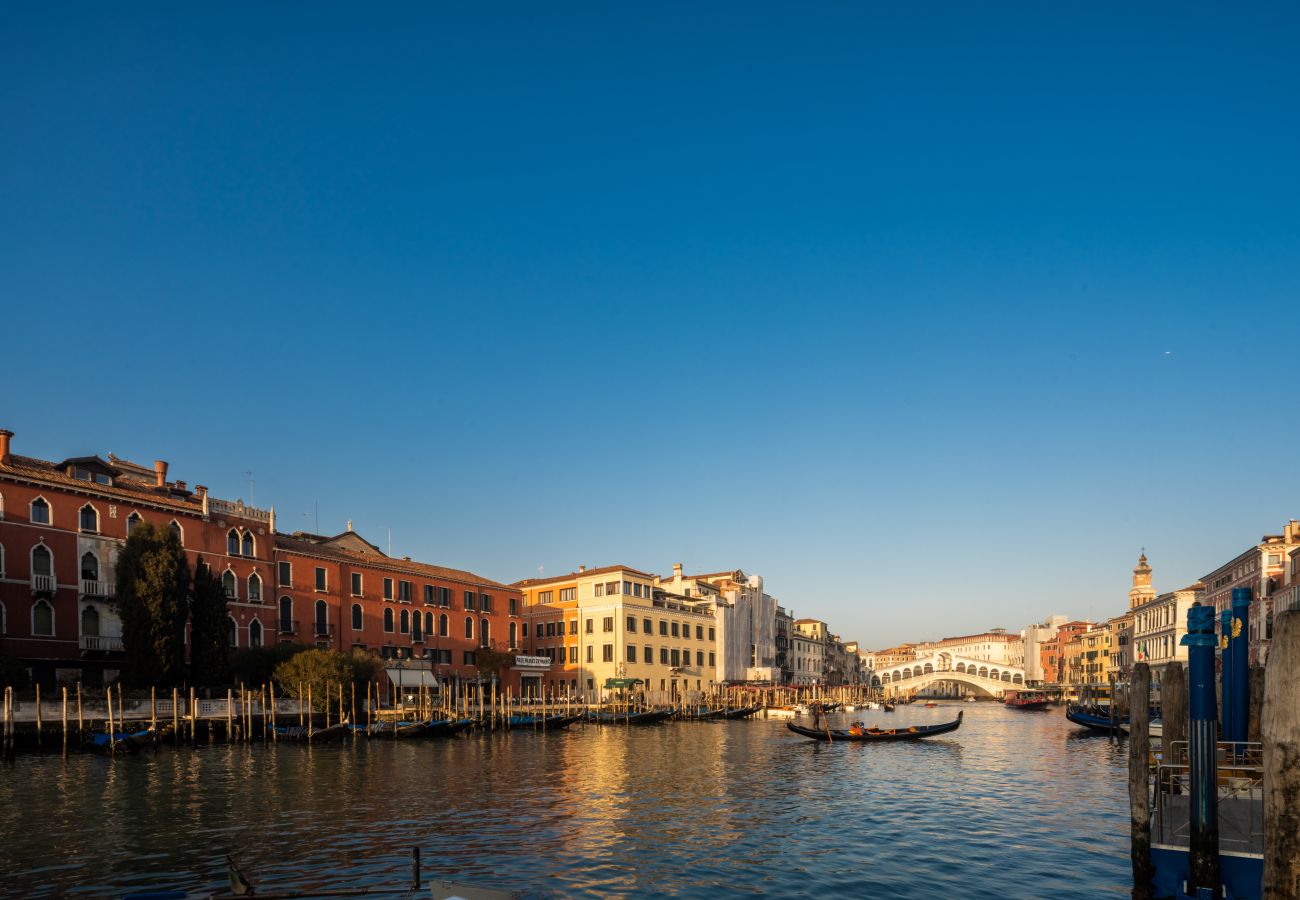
[[395, 589], [404, 622], [666, 628], [40, 512]]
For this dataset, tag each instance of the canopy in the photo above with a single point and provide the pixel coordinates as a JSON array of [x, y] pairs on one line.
[[621, 682], [412, 678]]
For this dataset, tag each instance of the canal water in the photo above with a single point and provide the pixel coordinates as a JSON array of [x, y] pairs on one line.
[[1014, 804]]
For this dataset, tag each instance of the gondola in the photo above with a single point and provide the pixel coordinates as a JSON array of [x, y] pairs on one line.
[[303, 735], [700, 714], [541, 723], [1094, 718], [447, 727], [868, 735], [393, 730], [122, 741], [743, 712], [888, 707], [645, 717]]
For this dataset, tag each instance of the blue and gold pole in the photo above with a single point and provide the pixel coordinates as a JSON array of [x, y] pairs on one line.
[[1225, 673], [1239, 640], [1202, 733]]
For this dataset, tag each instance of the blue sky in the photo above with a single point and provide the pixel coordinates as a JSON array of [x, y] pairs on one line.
[[932, 316]]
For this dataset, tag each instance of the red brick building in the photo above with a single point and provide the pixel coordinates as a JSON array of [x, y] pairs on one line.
[[62, 525]]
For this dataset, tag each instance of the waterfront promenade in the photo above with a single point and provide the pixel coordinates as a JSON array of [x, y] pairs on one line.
[[1012, 805]]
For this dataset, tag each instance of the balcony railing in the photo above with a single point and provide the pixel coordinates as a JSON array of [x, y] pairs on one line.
[[98, 588], [44, 583], [99, 642], [288, 627], [323, 629]]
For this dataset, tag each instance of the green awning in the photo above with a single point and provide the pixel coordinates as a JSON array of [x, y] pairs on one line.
[[611, 683]]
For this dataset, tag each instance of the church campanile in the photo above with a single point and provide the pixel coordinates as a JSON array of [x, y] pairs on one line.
[[1141, 592]]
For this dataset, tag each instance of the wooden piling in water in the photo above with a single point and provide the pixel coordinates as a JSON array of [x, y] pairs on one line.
[[1139, 794], [275, 735], [229, 714], [112, 749], [1280, 729], [81, 730], [1255, 704], [65, 719], [176, 721]]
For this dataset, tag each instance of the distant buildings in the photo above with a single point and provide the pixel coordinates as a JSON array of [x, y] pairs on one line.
[[1262, 570]]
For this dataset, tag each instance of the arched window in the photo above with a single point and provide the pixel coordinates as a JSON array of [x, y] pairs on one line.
[[514, 633], [417, 632], [90, 622], [2, 563], [246, 546], [356, 616], [89, 567], [322, 618], [42, 561], [232, 633], [406, 622], [428, 622], [178, 531], [388, 619], [442, 625], [40, 511], [483, 632], [228, 584], [255, 633], [42, 619], [286, 616], [469, 628], [88, 518], [254, 588], [132, 521], [232, 542]]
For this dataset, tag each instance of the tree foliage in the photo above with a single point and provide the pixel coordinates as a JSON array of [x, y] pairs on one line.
[[256, 665], [490, 662], [323, 671], [153, 580], [209, 624]]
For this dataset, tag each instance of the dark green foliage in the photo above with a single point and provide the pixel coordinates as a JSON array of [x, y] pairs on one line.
[[490, 662], [256, 665], [153, 580], [324, 671], [13, 673], [209, 627]]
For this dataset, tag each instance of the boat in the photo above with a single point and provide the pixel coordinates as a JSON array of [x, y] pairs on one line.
[[859, 734], [1093, 717], [447, 727], [392, 730], [304, 734], [540, 722], [970, 698], [1026, 700], [122, 741], [741, 712], [781, 712], [642, 717], [889, 707], [930, 704]]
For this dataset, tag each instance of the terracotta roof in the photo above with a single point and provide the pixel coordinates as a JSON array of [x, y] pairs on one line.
[[572, 576], [123, 488], [409, 567]]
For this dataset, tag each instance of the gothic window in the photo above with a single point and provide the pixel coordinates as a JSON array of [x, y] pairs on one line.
[[132, 521], [246, 546], [228, 584], [232, 542], [89, 567], [88, 518], [356, 616], [42, 561], [90, 622], [42, 619], [40, 511], [388, 619], [255, 633], [254, 588], [232, 633]]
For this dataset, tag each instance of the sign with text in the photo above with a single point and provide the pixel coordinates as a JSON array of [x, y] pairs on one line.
[[533, 662]]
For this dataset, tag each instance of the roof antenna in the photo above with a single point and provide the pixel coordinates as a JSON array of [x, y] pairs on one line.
[[249, 473]]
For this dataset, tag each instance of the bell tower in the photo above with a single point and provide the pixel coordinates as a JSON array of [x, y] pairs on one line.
[[1142, 591]]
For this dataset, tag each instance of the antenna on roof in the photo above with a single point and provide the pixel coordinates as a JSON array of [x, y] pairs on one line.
[[249, 473]]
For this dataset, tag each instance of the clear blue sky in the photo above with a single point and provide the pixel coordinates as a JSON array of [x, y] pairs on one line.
[[932, 316]]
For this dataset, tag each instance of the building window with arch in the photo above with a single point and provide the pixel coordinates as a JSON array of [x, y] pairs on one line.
[[178, 531], [388, 619], [322, 619], [42, 619], [442, 625], [232, 633], [428, 623], [405, 622], [88, 519], [90, 622], [40, 512], [246, 545], [132, 521], [89, 567], [255, 633], [228, 584], [356, 616], [482, 632], [286, 615], [254, 588], [514, 634], [232, 543], [417, 627], [469, 628], [42, 568]]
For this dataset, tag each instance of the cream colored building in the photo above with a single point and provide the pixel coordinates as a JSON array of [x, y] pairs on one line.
[[808, 651], [995, 646], [744, 618], [611, 623]]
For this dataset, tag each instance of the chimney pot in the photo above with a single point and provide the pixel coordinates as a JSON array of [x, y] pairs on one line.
[[201, 490], [160, 471], [677, 569], [5, 435], [180, 485], [582, 568]]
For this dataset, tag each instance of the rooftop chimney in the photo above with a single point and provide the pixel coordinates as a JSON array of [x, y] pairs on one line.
[[180, 485], [201, 490], [160, 470], [5, 435], [582, 568], [677, 570]]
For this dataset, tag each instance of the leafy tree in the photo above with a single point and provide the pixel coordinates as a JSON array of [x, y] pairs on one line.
[[153, 579], [209, 624], [324, 671], [490, 662], [256, 665]]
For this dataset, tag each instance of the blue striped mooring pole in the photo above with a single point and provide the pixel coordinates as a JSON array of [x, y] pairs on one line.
[[1240, 685], [1202, 734], [1225, 673]]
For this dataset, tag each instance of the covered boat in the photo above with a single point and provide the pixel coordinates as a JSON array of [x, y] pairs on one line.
[[122, 741], [1026, 700], [303, 734], [860, 734]]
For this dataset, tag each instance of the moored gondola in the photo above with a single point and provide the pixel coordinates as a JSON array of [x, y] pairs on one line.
[[743, 712], [303, 734], [644, 717], [447, 727], [868, 735], [541, 723], [122, 741], [1094, 718]]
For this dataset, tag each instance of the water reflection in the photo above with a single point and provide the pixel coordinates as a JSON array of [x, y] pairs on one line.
[[1011, 805]]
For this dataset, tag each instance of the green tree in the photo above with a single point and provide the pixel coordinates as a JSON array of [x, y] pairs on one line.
[[323, 671], [256, 665], [490, 662], [153, 580], [209, 624]]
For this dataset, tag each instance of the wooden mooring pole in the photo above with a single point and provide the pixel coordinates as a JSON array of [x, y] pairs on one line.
[[1280, 729], [1139, 793]]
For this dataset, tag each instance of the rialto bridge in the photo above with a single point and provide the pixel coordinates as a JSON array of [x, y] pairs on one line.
[[980, 675]]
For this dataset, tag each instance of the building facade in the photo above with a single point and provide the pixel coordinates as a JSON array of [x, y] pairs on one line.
[[1262, 570], [745, 621]]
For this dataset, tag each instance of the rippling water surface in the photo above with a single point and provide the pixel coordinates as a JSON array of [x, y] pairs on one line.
[[1014, 804]]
